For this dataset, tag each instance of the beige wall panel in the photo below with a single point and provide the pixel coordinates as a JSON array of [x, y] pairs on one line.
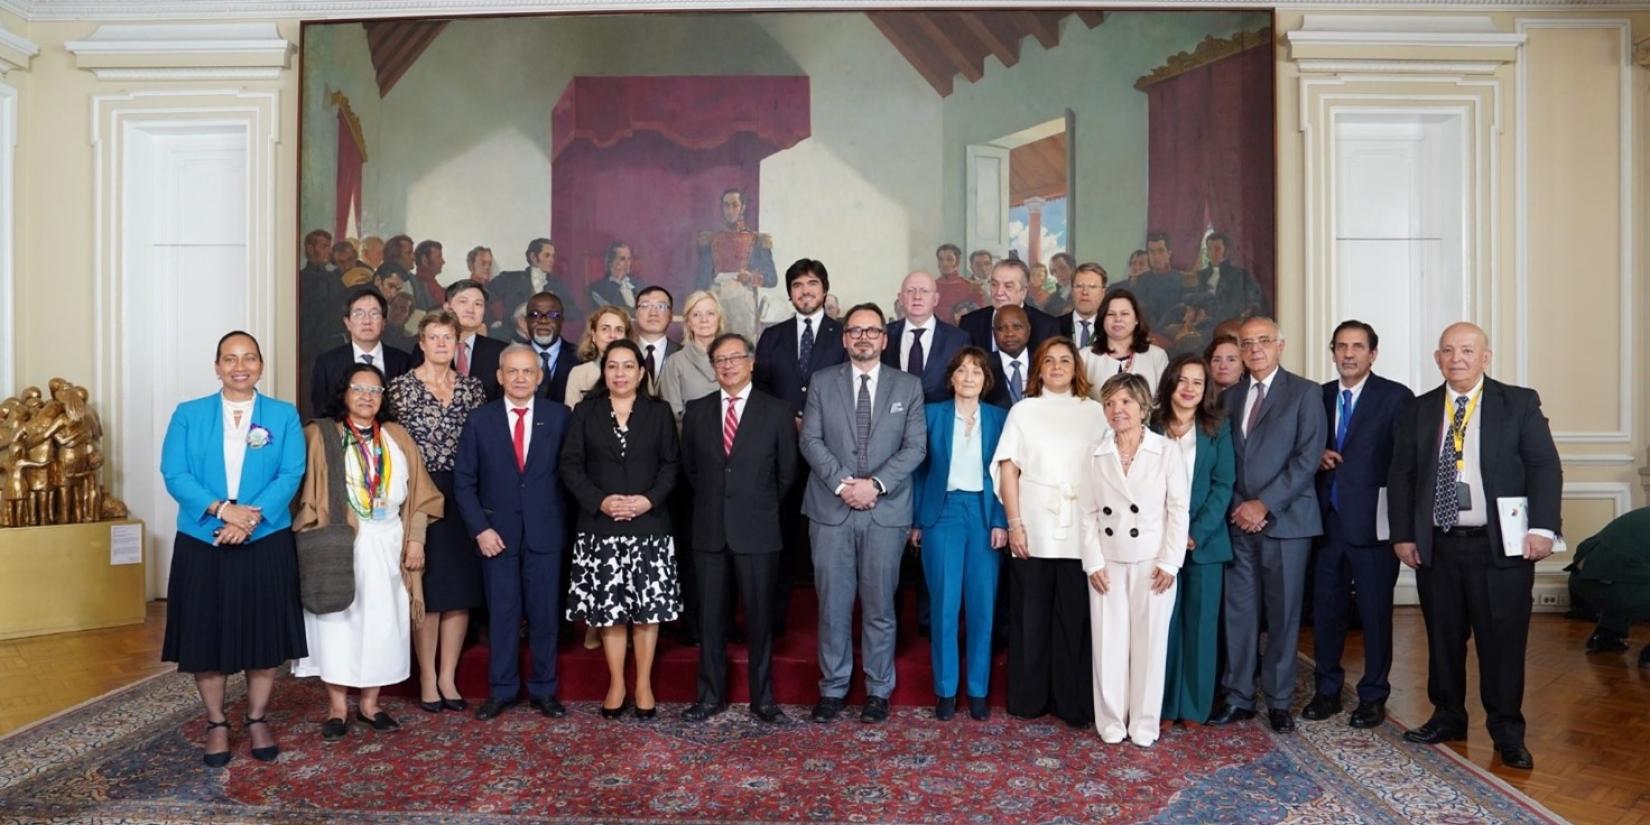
[[1585, 516]]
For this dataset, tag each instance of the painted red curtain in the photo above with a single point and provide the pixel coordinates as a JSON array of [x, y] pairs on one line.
[[350, 162], [644, 160], [1212, 160]]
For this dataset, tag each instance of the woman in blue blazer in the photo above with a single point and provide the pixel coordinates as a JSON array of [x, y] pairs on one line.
[[1188, 414], [960, 526], [233, 461]]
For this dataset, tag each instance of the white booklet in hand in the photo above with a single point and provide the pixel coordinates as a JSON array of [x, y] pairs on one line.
[[1383, 523], [1515, 523]]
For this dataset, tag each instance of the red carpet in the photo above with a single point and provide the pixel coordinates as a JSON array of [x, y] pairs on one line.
[[583, 673]]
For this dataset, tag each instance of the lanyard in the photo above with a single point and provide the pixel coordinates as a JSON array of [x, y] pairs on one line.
[[1458, 435]]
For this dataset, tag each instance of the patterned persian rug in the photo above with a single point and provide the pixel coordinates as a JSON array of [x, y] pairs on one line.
[[133, 756]]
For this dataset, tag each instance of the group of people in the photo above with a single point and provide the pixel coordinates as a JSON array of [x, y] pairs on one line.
[[1120, 512]]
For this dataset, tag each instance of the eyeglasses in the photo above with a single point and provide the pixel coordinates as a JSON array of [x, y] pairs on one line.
[[1256, 343], [366, 389], [726, 360], [654, 306], [366, 315], [552, 315], [872, 333]]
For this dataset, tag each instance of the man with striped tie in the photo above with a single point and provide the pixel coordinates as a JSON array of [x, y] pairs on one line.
[[739, 458]]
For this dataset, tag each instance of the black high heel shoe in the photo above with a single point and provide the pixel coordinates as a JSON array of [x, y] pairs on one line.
[[646, 715], [216, 760], [431, 707], [616, 713], [263, 754]]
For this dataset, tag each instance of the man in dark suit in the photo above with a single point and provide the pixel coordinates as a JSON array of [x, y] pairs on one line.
[[506, 489], [364, 321], [1363, 410], [1010, 360], [1463, 449], [543, 318], [1227, 290], [1278, 432], [476, 353], [1088, 288], [654, 306], [739, 457], [921, 344], [1010, 279], [511, 290]]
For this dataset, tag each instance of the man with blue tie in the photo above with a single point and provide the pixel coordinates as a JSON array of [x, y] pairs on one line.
[[1011, 367], [1364, 411], [508, 457], [920, 343]]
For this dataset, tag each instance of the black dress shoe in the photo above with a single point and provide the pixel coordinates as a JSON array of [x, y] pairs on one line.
[[548, 706], [770, 714], [334, 729], [1433, 733], [379, 721], [1282, 721], [1226, 714], [1368, 715], [828, 709], [945, 708], [701, 711], [1605, 642], [265, 754], [1320, 708], [978, 709], [875, 710], [1516, 756], [431, 707], [220, 759], [491, 708]]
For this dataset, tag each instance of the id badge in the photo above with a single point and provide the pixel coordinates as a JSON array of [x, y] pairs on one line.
[[380, 509], [1463, 496]]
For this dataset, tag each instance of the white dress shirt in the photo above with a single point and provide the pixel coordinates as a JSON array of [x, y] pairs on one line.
[[1008, 361], [659, 345], [1077, 322], [377, 353], [527, 426], [553, 351], [909, 335], [739, 402], [1249, 403], [817, 318], [234, 442], [1478, 515], [1357, 391], [876, 373]]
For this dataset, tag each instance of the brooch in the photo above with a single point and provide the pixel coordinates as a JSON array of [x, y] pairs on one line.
[[258, 436]]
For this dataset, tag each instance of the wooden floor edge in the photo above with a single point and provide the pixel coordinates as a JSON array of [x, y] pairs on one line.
[[123, 688]]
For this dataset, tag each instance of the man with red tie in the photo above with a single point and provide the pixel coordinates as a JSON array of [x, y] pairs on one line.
[[508, 457]]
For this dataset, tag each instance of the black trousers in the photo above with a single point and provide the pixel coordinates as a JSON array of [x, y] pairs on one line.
[[1463, 594], [1049, 654], [756, 576], [1339, 567]]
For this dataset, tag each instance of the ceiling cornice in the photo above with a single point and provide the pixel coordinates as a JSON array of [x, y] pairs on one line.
[[119, 10]]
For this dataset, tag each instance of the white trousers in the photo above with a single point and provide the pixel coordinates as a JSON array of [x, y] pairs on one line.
[[1130, 629]]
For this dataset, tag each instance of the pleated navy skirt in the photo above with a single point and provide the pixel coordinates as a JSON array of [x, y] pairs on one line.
[[452, 564], [235, 607]]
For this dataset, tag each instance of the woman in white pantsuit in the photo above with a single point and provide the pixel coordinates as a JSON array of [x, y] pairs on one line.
[[1134, 502]]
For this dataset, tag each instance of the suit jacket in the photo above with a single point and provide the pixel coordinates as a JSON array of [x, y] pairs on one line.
[[929, 484], [1237, 295], [999, 395], [1068, 327], [593, 467], [524, 506], [483, 364], [898, 443], [1277, 462], [512, 289], [778, 372], [736, 497], [978, 326], [331, 365], [1366, 455], [554, 384], [607, 293], [1517, 457], [672, 346], [1140, 516], [191, 462], [1213, 471], [936, 356]]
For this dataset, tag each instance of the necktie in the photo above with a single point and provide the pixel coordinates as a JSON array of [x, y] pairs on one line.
[[913, 361], [805, 352], [647, 361], [463, 359], [1016, 383], [366, 358], [1446, 498], [862, 427], [730, 426], [521, 438], [1254, 412], [1088, 334], [1340, 443], [549, 366]]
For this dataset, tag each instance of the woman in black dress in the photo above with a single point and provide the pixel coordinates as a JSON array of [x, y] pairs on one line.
[[619, 461], [233, 460], [432, 402]]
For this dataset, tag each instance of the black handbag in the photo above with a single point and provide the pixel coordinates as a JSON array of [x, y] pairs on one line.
[[326, 555]]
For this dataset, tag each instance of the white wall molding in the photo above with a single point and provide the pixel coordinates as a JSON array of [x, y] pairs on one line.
[[184, 51], [8, 247], [1395, 31], [15, 51], [1627, 386], [1596, 459]]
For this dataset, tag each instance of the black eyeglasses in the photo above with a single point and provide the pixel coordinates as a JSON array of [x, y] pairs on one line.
[[552, 315]]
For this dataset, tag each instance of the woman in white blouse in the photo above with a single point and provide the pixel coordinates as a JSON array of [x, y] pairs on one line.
[[1126, 346], [1134, 502], [1036, 471]]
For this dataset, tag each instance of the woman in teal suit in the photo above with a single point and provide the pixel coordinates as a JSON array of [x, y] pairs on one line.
[[959, 527], [1188, 414], [233, 461]]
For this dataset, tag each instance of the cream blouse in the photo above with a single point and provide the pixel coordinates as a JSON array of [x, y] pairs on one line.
[[1049, 438]]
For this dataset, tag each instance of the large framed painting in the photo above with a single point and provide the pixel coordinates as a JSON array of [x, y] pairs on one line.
[[594, 154]]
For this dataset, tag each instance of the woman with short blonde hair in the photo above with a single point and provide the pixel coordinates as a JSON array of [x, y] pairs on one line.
[[688, 374]]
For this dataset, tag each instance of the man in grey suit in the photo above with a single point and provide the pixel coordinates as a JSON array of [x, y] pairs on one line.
[[863, 434], [1278, 431]]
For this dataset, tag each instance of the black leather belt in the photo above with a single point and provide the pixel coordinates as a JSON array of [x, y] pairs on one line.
[[1464, 532]]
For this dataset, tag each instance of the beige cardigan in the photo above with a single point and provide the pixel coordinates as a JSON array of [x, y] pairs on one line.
[[423, 505]]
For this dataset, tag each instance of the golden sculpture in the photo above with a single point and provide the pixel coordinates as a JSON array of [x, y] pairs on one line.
[[49, 459]]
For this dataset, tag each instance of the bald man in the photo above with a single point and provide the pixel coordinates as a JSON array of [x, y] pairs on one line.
[[921, 344], [1461, 449]]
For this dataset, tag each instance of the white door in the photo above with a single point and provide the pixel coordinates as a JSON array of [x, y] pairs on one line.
[[184, 283], [987, 199]]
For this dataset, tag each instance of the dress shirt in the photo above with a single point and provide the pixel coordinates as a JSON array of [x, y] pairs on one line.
[[967, 470], [1478, 515], [909, 336], [1249, 403], [743, 398], [1357, 391], [469, 345], [553, 351], [527, 426], [1024, 359], [234, 442], [875, 372], [1077, 322], [377, 353], [659, 347], [818, 317]]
